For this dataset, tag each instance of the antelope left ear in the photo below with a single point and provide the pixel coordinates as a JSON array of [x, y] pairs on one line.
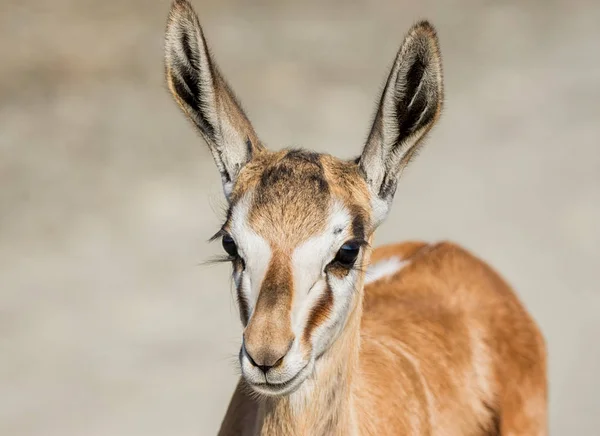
[[409, 107], [203, 95]]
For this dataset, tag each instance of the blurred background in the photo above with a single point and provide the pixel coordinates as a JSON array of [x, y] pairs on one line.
[[109, 325]]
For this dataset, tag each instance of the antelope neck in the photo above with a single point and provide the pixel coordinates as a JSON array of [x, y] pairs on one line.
[[323, 405]]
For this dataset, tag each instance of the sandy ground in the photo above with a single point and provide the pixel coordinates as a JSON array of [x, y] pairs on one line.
[[108, 324]]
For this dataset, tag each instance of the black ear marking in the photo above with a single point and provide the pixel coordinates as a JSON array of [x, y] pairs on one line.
[[187, 50], [415, 75], [410, 104], [388, 188], [188, 90], [187, 83], [204, 96], [249, 148], [224, 173]]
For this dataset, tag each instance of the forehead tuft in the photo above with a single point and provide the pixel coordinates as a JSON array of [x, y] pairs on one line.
[[297, 176], [291, 198], [292, 192]]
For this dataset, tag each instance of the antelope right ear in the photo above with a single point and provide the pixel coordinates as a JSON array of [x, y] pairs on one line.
[[409, 107], [203, 95]]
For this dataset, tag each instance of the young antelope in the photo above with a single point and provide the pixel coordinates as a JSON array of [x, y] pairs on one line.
[[339, 339]]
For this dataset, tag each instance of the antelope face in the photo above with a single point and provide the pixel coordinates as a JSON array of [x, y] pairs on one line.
[[296, 234], [299, 223]]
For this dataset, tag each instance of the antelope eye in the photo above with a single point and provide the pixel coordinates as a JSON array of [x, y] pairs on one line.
[[347, 254], [229, 246]]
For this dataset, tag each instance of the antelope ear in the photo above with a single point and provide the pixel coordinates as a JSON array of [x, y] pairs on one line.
[[204, 96], [410, 105]]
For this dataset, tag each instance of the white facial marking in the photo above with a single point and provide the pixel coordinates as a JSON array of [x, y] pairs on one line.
[[310, 280], [309, 261], [384, 268], [254, 250], [343, 288]]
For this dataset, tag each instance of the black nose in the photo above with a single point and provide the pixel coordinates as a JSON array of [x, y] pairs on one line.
[[264, 368], [266, 360]]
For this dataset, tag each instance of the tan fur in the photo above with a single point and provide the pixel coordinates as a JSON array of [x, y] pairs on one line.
[[440, 347], [443, 347], [268, 335], [293, 189]]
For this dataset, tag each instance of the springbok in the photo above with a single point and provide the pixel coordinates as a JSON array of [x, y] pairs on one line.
[[428, 340]]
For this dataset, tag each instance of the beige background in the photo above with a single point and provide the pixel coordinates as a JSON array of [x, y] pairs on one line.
[[109, 326]]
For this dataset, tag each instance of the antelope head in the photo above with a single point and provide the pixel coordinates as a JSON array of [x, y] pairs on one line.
[[299, 223]]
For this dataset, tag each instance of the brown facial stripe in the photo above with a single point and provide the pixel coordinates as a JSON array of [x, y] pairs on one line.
[[238, 267], [319, 313], [244, 308], [269, 331], [277, 286]]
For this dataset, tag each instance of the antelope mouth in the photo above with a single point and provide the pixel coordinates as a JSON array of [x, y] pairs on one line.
[[281, 388]]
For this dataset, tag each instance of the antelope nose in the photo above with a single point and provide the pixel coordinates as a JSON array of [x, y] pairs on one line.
[[265, 359]]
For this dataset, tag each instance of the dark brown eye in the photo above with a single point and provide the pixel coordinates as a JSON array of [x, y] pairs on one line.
[[229, 246], [347, 254]]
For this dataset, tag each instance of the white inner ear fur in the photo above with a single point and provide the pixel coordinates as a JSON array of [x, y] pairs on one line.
[[380, 209], [228, 146]]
